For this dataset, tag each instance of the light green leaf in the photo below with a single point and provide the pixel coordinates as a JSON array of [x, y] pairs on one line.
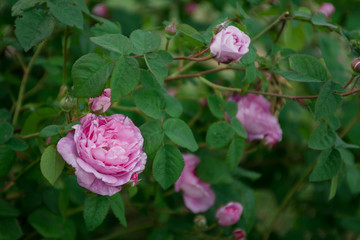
[[50, 130], [238, 128], [322, 138], [144, 41], [150, 101], [117, 206], [333, 187], [219, 134], [327, 167], [180, 133], [191, 32], [216, 105], [114, 42], [173, 106], [51, 164], [95, 210]]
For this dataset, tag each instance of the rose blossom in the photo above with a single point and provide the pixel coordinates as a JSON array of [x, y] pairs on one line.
[[100, 10], [198, 196], [229, 214], [239, 234], [230, 44], [255, 115], [327, 9], [102, 103], [106, 152]]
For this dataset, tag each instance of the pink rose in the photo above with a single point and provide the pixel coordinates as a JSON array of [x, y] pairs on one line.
[[190, 7], [102, 103], [100, 10], [106, 152], [239, 234], [255, 115], [229, 45], [198, 196], [327, 9], [229, 214]]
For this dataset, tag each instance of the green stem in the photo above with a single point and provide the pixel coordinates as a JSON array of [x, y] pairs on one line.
[[269, 26], [66, 35], [287, 199], [23, 82], [30, 135]]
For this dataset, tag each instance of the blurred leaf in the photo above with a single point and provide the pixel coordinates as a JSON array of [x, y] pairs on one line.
[[107, 27], [334, 122], [244, 173], [125, 77], [351, 224], [231, 108], [319, 19], [17, 144], [8, 210], [157, 66], [339, 143], [190, 31], [327, 167], [353, 178], [34, 122], [168, 165], [297, 77], [219, 134], [4, 115], [153, 135], [216, 106], [144, 41], [173, 106], [250, 57], [10, 229], [6, 132], [180, 133], [46, 223], [90, 73], [235, 152], [322, 137], [51, 164], [7, 157], [95, 210], [327, 102], [214, 171], [114, 42], [150, 101], [308, 66], [295, 35], [22, 5], [33, 27], [50, 130], [81, 5], [66, 12], [250, 73], [333, 187], [238, 128], [117, 205]]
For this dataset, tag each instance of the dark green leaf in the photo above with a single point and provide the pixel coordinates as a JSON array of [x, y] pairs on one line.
[[231, 108], [216, 106], [153, 135], [66, 12], [107, 27], [250, 57], [173, 106], [297, 77], [6, 132], [328, 166], [8, 210], [214, 171], [333, 187], [180, 133], [148, 80], [320, 19], [17, 144], [46, 223], [243, 173], [95, 211], [22, 5], [168, 165], [250, 73], [322, 138], [327, 102], [219, 134], [238, 127], [34, 123], [125, 77], [191, 32], [308, 66], [90, 74], [235, 152], [50, 130], [117, 206], [51, 164], [157, 66], [144, 41], [7, 157], [166, 56], [150, 101], [33, 27], [10, 229], [114, 42]]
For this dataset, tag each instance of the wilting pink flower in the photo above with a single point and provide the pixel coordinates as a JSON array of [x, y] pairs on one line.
[[229, 214], [239, 234], [106, 152], [327, 9], [198, 196], [102, 103], [100, 10], [190, 7], [255, 115], [229, 45]]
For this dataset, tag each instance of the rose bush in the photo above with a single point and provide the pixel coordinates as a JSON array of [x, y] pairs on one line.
[[106, 152]]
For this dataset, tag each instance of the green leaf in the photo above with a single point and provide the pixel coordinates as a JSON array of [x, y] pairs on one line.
[[168, 165], [90, 74], [33, 27], [333, 187], [107, 27], [66, 12], [216, 106], [173, 106], [166, 56], [328, 166], [243, 173], [322, 138], [235, 152], [219, 134], [148, 80], [6, 132], [20, 6], [50, 130], [327, 102], [10, 229], [238, 128], [51, 164], [95, 210], [7, 157], [81, 5], [250, 73], [231, 108], [117, 206], [17, 144], [8, 210], [114, 42], [308, 66], [144, 41], [180, 133], [213, 171], [191, 32], [157, 66], [297, 77], [46, 223], [150, 101], [250, 57], [320, 19], [34, 123], [125, 77], [153, 135], [353, 179]]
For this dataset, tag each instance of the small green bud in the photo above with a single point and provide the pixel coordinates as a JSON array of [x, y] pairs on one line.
[[66, 103], [200, 222]]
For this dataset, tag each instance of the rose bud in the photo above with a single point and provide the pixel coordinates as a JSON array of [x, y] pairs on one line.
[[229, 45], [355, 65], [66, 103], [106, 152], [170, 30], [255, 115], [229, 214], [190, 7], [100, 10], [239, 234], [102, 103], [327, 9], [198, 196], [200, 222]]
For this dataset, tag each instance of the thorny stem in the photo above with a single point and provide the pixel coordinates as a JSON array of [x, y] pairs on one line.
[[194, 59], [349, 82], [23, 82], [167, 44], [353, 86], [270, 26]]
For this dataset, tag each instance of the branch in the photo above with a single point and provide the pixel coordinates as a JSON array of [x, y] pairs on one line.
[[282, 16]]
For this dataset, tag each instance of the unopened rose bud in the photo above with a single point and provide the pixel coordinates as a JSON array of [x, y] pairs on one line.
[[200, 222], [327, 9], [239, 234], [66, 103], [10, 51], [170, 30], [100, 10], [355, 65]]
